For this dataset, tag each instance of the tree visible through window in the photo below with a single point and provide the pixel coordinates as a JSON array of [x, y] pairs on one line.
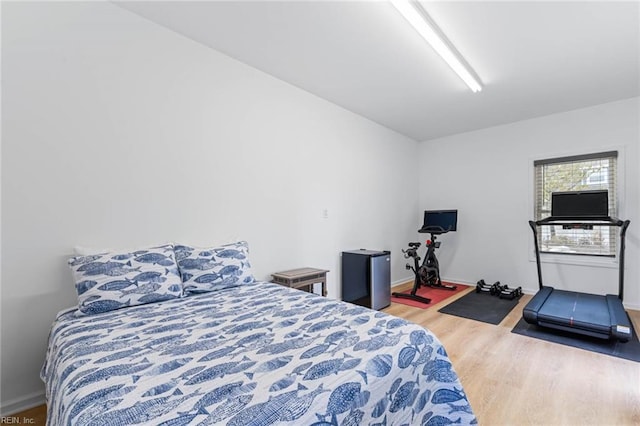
[[582, 172]]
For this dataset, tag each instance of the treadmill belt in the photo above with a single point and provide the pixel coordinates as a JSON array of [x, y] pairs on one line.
[[580, 310]]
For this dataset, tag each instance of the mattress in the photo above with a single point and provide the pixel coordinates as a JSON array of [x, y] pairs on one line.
[[256, 354]]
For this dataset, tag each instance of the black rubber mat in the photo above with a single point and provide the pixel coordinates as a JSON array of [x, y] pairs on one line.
[[480, 307], [629, 350]]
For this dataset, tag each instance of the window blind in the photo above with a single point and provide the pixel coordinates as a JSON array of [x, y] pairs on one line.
[[576, 173]]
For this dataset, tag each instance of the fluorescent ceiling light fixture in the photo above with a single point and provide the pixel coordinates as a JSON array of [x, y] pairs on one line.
[[422, 22]]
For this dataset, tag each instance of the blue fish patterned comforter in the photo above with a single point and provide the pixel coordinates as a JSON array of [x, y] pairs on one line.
[[258, 354]]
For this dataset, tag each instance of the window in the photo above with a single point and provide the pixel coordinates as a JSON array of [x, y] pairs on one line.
[[580, 172]]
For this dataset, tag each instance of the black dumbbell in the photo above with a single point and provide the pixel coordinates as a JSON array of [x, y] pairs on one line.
[[481, 286], [510, 293]]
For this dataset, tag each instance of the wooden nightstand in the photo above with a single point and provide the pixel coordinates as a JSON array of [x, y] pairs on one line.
[[302, 277]]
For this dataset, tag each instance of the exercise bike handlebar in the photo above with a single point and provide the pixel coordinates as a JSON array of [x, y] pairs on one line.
[[435, 229]]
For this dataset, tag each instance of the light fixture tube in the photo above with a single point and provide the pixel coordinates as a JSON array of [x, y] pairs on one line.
[[422, 22]]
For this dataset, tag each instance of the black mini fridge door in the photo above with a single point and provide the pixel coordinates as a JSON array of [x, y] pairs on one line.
[[366, 278]]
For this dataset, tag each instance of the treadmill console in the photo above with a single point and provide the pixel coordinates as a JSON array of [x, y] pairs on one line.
[[587, 205]]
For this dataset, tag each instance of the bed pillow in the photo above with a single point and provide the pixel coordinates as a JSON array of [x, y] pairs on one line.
[[113, 280], [215, 268]]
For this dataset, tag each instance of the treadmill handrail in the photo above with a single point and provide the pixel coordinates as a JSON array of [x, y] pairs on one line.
[[533, 226], [576, 221], [623, 232], [612, 221]]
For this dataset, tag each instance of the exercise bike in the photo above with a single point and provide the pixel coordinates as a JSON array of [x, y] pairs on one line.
[[427, 274], [412, 251], [430, 269]]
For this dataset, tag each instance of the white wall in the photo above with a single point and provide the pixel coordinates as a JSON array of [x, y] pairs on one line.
[[488, 176], [118, 133]]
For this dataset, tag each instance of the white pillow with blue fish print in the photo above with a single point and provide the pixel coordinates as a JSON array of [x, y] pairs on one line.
[[215, 268], [108, 281]]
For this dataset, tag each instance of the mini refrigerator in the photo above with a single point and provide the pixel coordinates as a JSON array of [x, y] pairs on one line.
[[366, 278]]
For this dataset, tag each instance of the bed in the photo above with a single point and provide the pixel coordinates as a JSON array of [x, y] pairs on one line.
[[251, 354]]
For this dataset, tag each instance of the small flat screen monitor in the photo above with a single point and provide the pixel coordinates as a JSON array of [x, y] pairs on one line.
[[580, 204], [440, 221]]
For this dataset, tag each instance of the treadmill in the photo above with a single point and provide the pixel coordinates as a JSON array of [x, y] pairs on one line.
[[582, 313]]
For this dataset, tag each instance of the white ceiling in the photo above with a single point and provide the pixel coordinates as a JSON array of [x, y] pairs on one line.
[[534, 58]]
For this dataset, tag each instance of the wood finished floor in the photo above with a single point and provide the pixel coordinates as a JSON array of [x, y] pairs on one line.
[[36, 416], [516, 380]]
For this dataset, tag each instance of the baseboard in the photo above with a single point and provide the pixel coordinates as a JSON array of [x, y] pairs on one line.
[[402, 281], [459, 281], [412, 278], [26, 402], [631, 306]]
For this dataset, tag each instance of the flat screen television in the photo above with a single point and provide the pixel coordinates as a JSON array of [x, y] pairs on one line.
[[592, 204], [440, 221]]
